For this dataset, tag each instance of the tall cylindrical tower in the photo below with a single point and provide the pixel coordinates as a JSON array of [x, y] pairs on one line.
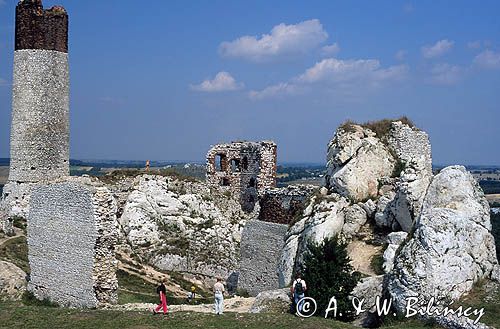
[[39, 142]]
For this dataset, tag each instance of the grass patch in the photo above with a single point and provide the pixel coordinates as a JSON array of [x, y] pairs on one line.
[[30, 300], [485, 294], [16, 252], [376, 263], [117, 175], [380, 127], [15, 315]]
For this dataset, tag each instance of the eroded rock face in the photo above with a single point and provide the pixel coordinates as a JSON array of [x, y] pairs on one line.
[[368, 289], [12, 281], [394, 240], [183, 226], [356, 159], [413, 150], [451, 248], [323, 218]]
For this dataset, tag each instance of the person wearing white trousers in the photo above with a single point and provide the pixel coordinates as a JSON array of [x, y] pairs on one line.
[[219, 296]]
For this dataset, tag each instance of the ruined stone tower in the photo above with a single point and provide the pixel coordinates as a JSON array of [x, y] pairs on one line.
[[39, 143], [246, 169]]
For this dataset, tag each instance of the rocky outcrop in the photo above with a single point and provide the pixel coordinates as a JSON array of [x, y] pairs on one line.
[[272, 301], [451, 247], [180, 225], [356, 160], [12, 281], [323, 217]]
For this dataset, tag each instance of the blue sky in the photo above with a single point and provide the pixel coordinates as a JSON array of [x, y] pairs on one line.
[[164, 80]]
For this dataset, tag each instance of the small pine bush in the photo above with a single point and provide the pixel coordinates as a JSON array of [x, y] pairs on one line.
[[327, 273]]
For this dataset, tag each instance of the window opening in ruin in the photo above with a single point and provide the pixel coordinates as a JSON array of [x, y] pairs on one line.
[[235, 165], [252, 182], [244, 163], [219, 162], [225, 182]]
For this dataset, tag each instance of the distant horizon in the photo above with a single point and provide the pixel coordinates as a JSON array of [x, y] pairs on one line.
[[287, 163]]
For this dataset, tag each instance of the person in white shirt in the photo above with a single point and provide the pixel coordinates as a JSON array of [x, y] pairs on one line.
[[298, 290], [219, 296]]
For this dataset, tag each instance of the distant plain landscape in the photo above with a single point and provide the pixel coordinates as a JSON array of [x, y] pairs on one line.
[[287, 173]]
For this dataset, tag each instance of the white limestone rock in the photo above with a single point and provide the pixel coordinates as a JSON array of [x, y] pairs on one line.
[[183, 226], [355, 217], [394, 240], [356, 160], [452, 246], [12, 281], [322, 218], [14, 203]]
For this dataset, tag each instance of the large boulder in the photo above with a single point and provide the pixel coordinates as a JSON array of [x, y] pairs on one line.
[[367, 290], [394, 240], [356, 160], [451, 247], [12, 281], [272, 301]]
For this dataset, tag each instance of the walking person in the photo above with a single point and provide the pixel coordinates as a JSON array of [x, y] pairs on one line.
[[162, 293], [219, 296], [298, 290]]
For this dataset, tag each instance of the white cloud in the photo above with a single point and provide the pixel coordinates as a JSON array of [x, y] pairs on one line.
[[331, 72], [488, 59], [474, 44], [401, 55], [330, 50], [438, 49], [280, 89], [446, 74], [283, 39], [223, 81]]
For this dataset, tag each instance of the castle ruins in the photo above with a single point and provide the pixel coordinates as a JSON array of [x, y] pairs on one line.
[[246, 169]]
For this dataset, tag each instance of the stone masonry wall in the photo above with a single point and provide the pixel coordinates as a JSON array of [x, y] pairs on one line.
[[281, 205], [261, 245], [246, 169], [71, 237]]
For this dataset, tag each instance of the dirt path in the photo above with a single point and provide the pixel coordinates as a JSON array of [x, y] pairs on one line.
[[361, 254], [235, 304], [17, 233]]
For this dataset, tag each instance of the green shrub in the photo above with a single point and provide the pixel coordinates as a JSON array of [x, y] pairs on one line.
[[327, 273], [29, 299], [376, 264]]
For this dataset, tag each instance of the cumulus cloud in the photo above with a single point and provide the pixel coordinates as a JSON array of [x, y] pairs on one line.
[[283, 39], [330, 50], [488, 59], [345, 74], [446, 74], [438, 49], [223, 81]]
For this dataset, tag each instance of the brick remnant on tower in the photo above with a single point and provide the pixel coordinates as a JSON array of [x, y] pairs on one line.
[[246, 169]]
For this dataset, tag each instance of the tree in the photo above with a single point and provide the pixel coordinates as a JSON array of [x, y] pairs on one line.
[[327, 273]]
